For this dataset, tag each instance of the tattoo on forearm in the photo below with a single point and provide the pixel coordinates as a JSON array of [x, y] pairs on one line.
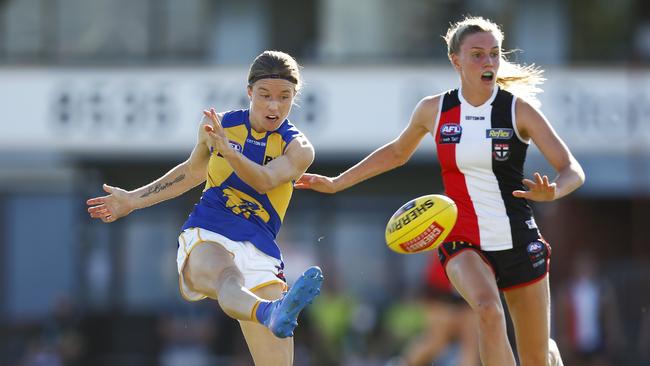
[[161, 186]]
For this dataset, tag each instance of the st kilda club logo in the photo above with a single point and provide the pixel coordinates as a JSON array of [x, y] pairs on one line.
[[501, 152]]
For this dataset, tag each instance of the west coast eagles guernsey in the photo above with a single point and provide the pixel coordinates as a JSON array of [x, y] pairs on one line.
[[482, 157], [231, 207]]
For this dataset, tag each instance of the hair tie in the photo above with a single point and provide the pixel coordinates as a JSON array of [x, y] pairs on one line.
[[289, 78]]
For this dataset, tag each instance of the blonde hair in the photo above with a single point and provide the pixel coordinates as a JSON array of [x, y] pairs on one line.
[[521, 80], [275, 65]]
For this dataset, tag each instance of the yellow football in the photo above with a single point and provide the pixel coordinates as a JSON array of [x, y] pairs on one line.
[[421, 224]]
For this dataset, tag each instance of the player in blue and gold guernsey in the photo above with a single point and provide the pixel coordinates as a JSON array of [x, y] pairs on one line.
[[227, 251], [229, 205]]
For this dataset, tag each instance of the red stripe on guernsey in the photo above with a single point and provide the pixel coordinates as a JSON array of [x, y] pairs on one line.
[[466, 228]]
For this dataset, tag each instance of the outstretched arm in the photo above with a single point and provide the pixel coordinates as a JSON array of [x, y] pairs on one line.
[[180, 179], [297, 157], [385, 158], [532, 124]]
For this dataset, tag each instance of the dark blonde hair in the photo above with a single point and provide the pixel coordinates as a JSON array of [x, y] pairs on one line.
[[521, 80], [275, 65]]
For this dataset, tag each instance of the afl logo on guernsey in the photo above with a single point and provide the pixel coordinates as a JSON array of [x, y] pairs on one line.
[[235, 146], [450, 133]]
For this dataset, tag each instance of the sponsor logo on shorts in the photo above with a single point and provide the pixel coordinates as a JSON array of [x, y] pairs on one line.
[[531, 223], [536, 253], [535, 247], [539, 263], [499, 133], [280, 274], [450, 133]]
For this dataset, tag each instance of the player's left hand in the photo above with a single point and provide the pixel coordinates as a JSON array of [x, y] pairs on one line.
[[214, 129], [538, 190]]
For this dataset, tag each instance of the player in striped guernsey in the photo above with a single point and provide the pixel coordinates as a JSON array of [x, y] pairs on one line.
[[482, 131], [227, 251]]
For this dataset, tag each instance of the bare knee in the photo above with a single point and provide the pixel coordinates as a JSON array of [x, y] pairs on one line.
[[490, 312], [221, 284], [229, 282]]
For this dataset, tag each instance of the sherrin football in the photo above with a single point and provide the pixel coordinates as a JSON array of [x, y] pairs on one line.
[[421, 224]]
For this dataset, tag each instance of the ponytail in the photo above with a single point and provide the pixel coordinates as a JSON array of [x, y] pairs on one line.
[[523, 81]]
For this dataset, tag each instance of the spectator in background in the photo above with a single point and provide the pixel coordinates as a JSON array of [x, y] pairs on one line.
[[589, 324]]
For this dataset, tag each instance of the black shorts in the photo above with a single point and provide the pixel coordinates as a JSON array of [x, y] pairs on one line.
[[520, 266]]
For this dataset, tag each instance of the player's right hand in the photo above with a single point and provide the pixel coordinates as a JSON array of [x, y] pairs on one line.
[[111, 207]]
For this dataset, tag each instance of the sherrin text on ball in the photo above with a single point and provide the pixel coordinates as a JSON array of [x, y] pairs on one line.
[[421, 224]]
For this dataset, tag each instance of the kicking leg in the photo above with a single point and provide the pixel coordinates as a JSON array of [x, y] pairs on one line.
[[274, 345], [265, 347], [210, 270]]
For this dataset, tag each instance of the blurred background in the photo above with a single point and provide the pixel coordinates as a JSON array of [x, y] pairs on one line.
[[95, 91]]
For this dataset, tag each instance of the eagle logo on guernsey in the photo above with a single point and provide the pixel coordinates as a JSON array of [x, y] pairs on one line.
[[242, 204], [450, 133], [501, 152]]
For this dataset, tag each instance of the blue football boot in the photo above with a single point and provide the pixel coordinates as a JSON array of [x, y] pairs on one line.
[[283, 318]]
